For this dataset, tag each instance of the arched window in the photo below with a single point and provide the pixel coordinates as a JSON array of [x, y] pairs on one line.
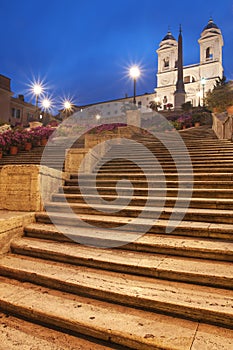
[[166, 62], [209, 53], [189, 79]]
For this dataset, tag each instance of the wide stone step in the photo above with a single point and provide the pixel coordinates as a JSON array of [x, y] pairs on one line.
[[163, 158], [184, 228], [192, 214], [169, 176], [170, 192], [152, 243], [15, 335], [159, 266], [136, 329], [202, 163], [181, 201], [167, 170], [195, 302], [208, 184]]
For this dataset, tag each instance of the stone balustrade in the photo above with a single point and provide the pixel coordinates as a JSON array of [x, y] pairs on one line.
[[223, 125]]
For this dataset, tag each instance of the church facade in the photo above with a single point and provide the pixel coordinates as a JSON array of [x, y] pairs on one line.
[[198, 78]]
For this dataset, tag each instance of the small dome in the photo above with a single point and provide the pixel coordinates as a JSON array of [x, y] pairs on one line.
[[211, 25], [169, 36]]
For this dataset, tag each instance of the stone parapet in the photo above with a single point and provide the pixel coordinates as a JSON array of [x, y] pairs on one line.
[[223, 125], [20, 186], [11, 226]]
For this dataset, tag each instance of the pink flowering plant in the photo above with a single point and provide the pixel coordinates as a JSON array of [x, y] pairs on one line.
[[42, 132], [2, 142]]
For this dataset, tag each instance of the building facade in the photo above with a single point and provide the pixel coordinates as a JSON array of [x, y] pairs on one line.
[[198, 78], [13, 110]]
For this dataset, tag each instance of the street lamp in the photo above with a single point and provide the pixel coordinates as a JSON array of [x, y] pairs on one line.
[[67, 107], [203, 82], [134, 73], [46, 104], [37, 90], [199, 98]]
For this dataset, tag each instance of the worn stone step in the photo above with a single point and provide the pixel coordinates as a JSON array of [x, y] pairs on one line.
[[167, 170], [169, 176], [205, 184], [152, 243], [192, 214], [159, 266], [181, 201], [188, 228], [137, 329], [170, 192], [17, 334], [168, 164]]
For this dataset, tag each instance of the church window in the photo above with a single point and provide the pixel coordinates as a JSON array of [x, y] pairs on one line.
[[166, 62], [189, 79], [209, 53]]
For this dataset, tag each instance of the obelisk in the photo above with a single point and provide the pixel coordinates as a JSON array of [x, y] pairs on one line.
[[179, 94]]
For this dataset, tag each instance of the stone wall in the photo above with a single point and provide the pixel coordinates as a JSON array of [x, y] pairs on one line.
[[11, 226], [223, 125], [20, 186]]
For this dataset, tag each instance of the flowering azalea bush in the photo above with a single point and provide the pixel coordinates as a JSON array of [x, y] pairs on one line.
[[41, 132], [2, 142], [19, 137], [106, 127]]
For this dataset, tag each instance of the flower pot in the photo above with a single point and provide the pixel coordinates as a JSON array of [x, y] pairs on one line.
[[28, 146], [43, 141], [230, 110], [13, 150], [184, 127], [197, 124], [37, 143]]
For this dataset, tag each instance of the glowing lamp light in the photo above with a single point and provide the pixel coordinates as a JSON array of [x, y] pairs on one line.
[[97, 117], [134, 72], [203, 81], [37, 89], [67, 104], [46, 103]]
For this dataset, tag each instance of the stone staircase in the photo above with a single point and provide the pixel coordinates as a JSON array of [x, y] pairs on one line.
[[34, 155], [162, 291]]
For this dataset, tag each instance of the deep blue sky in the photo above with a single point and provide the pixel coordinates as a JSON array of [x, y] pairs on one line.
[[82, 48]]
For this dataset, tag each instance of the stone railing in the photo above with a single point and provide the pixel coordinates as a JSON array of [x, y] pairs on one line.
[[223, 125]]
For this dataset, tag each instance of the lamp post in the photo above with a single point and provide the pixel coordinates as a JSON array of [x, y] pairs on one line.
[[134, 73], [199, 98], [37, 90], [203, 82], [46, 104]]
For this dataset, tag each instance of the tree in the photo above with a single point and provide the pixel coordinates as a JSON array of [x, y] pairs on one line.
[[221, 96], [154, 105], [187, 106]]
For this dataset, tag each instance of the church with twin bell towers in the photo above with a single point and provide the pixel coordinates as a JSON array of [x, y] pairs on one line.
[[176, 83]]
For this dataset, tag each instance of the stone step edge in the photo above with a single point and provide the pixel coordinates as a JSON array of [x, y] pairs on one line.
[[211, 200], [150, 244], [212, 229], [136, 292], [151, 268], [90, 320]]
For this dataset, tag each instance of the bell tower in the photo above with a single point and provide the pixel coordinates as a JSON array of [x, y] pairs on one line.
[[211, 43]]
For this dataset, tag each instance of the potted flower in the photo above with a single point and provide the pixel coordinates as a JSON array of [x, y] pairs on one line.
[[28, 139], [15, 141]]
